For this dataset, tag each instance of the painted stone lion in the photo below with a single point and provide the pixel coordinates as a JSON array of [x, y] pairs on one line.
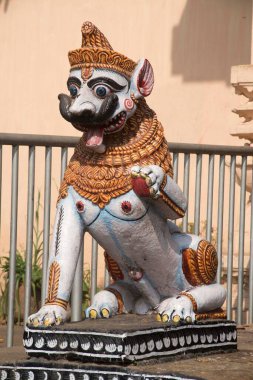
[[119, 187]]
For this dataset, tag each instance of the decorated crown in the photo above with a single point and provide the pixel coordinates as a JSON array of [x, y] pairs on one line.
[[97, 52]]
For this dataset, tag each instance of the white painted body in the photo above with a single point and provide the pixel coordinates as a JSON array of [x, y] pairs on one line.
[[141, 241]]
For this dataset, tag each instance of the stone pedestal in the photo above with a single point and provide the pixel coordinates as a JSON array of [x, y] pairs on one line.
[[128, 338], [104, 349]]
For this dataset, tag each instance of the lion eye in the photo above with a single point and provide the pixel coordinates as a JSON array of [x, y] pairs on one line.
[[73, 90], [101, 91]]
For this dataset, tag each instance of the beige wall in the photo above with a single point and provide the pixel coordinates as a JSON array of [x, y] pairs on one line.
[[191, 44]]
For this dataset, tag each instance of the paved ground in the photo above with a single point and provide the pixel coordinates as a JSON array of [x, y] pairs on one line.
[[229, 366]]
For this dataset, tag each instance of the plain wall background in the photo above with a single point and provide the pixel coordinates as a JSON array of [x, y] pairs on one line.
[[191, 44]]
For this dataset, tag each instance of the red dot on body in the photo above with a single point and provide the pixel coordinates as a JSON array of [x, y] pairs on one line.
[[126, 207], [79, 206]]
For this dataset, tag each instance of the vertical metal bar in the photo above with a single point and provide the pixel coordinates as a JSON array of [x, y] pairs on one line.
[[29, 232], [64, 160], [251, 254], [46, 225], [230, 236], [241, 241], [209, 214], [175, 166], [77, 289], [94, 267], [1, 168], [186, 187], [197, 193], [13, 245], [106, 278], [220, 216]]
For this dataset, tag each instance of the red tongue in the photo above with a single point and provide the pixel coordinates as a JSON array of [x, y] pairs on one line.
[[95, 136]]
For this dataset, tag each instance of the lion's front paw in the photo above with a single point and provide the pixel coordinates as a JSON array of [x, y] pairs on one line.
[[147, 180], [48, 315], [104, 305], [176, 310]]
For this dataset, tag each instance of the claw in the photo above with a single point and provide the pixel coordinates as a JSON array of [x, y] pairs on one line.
[[188, 319], [134, 174], [158, 317], [93, 314], [143, 175], [176, 319], [46, 322], [35, 322], [105, 313], [165, 318], [58, 321], [148, 181], [152, 192]]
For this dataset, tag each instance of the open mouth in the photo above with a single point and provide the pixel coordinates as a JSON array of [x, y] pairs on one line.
[[96, 133], [116, 123]]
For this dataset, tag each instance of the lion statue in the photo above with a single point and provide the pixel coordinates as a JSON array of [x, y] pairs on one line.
[[119, 188]]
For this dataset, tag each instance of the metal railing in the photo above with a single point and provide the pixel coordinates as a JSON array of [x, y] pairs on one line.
[[212, 205]]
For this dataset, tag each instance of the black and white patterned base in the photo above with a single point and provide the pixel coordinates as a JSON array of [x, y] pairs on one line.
[[50, 371], [130, 339]]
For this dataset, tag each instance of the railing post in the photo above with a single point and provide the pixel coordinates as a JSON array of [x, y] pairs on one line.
[[230, 237], [29, 232], [64, 160], [186, 188], [209, 214], [46, 227], [13, 245], [241, 242], [220, 216], [251, 257], [197, 193]]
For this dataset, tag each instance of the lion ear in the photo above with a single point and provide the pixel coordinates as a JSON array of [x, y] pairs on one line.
[[143, 78]]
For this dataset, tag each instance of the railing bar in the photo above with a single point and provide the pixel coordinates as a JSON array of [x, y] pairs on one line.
[[64, 160], [197, 193], [1, 171], [209, 214], [13, 245], [70, 141], [230, 237], [241, 241], [175, 167], [220, 216], [186, 188], [77, 289], [106, 278], [46, 224], [210, 149], [251, 256], [94, 267], [29, 231]]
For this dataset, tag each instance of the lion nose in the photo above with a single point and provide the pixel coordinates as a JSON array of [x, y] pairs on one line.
[[85, 110]]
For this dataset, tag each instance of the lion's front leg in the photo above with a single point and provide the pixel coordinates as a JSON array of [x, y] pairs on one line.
[[64, 252], [118, 298]]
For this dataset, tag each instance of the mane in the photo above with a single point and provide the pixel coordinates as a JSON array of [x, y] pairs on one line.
[[101, 177]]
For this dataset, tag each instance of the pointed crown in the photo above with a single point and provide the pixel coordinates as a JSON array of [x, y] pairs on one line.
[[97, 52]]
